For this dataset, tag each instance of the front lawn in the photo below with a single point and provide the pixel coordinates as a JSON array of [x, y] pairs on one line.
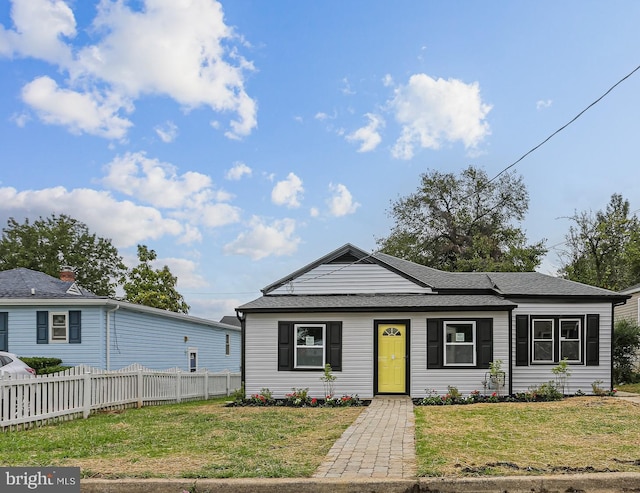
[[630, 387], [578, 434], [191, 440]]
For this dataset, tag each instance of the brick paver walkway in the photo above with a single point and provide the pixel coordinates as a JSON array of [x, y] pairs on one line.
[[379, 444]]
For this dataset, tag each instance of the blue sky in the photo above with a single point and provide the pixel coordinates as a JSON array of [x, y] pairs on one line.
[[242, 140]]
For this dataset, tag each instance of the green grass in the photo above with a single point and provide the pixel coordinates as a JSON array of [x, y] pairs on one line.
[[630, 387], [206, 439], [584, 434], [192, 440]]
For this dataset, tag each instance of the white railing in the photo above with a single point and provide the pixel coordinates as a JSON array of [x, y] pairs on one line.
[[78, 392]]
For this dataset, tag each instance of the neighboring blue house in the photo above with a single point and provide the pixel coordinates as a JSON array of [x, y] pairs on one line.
[[44, 316]]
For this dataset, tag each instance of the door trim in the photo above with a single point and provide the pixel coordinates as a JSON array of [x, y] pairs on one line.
[[407, 349]]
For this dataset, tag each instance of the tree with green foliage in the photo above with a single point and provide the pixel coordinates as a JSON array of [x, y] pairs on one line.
[[626, 344], [145, 285], [603, 249], [48, 244], [464, 223]]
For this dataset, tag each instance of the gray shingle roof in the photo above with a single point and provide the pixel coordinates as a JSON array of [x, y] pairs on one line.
[[459, 290], [413, 302], [19, 283]]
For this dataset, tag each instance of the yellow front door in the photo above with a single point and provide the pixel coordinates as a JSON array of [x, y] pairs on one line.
[[392, 358]]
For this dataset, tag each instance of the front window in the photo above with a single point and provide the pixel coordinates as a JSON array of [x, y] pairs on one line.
[[570, 340], [309, 350], [59, 323], [460, 343], [543, 340], [227, 345]]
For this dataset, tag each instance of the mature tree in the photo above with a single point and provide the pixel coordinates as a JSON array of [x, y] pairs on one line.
[[464, 223], [603, 249], [50, 243], [153, 287]]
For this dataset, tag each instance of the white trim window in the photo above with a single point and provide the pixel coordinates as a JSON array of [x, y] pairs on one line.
[[59, 327], [193, 359], [309, 348], [460, 343], [570, 342], [542, 338]]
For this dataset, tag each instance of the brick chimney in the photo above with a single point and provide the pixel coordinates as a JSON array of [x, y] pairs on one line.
[[67, 274]]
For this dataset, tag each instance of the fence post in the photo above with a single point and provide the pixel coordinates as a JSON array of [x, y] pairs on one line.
[[86, 407], [228, 383], [178, 387], [140, 389], [206, 385]]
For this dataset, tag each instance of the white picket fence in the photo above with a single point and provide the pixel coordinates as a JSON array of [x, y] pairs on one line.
[[31, 401]]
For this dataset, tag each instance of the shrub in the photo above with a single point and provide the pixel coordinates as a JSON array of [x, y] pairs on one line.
[[626, 343]]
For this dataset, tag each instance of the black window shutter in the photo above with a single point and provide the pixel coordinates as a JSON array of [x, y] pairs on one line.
[[285, 346], [75, 326], [434, 343], [522, 340], [484, 346], [593, 340], [4, 331], [334, 345], [42, 327]]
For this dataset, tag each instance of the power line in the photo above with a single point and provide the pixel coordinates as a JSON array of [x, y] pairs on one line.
[[565, 125]]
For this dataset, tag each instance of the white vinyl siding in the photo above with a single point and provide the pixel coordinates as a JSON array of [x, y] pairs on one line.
[[350, 279], [357, 375], [466, 380], [582, 376], [261, 356]]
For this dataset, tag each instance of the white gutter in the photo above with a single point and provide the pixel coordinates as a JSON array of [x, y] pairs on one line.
[[108, 338]]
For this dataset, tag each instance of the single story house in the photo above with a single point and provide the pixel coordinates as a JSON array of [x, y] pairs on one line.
[[41, 315], [390, 326]]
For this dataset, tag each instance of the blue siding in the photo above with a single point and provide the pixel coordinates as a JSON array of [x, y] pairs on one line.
[[153, 340], [159, 342], [22, 336]]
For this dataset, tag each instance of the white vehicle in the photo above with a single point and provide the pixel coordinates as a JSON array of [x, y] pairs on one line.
[[12, 365]]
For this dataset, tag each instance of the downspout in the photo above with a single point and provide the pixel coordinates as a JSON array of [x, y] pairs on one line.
[[108, 338], [242, 317], [511, 356]]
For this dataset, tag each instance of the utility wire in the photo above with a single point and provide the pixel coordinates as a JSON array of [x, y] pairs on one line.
[[565, 125]]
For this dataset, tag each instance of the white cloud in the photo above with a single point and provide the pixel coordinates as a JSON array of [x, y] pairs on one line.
[[167, 132], [238, 171], [387, 80], [185, 270], [341, 202], [542, 104], [80, 112], [183, 50], [191, 196], [157, 183], [346, 87], [435, 111], [288, 192], [314, 212], [263, 239], [124, 222], [40, 29], [322, 116], [368, 136]]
